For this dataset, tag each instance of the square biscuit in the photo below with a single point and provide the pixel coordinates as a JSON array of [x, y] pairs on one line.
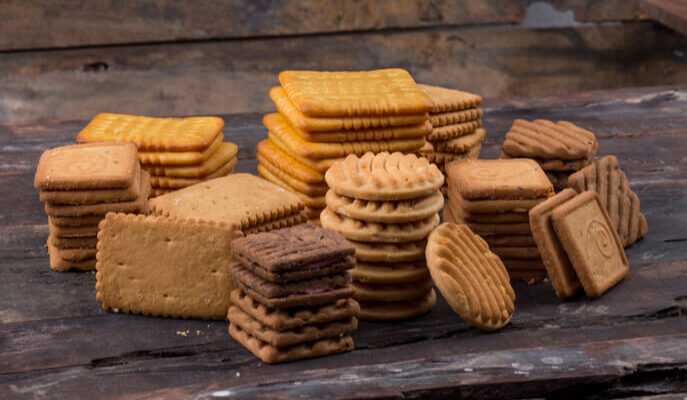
[[499, 179], [183, 157], [447, 100], [93, 166], [343, 93], [168, 182], [93, 196], [226, 151], [593, 246], [163, 266]]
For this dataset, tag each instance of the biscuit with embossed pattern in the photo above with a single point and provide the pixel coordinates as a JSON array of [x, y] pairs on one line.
[[368, 135], [374, 232], [545, 139], [267, 150], [310, 189], [389, 311], [385, 211]]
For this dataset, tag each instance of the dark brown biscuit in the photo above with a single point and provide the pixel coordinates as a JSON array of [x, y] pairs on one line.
[[509, 240], [297, 274], [544, 139], [556, 164], [273, 290], [559, 179]]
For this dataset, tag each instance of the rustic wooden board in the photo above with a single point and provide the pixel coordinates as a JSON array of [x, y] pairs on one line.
[[671, 13], [56, 342], [76, 23], [234, 76]]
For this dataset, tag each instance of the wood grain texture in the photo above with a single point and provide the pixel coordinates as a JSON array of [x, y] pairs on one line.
[[671, 13], [56, 342], [235, 76], [42, 24]]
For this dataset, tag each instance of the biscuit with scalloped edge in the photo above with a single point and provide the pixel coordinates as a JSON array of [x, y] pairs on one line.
[[374, 232], [389, 311], [181, 158], [455, 117], [446, 100], [168, 182], [226, 152], [385, 211]]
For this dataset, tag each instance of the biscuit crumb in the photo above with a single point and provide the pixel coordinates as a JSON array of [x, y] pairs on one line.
[[182, 333]]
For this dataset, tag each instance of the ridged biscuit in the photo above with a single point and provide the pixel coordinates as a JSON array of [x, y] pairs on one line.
[[544, 139], [472, 279], [461, 144], [389, 252], [374, 232], [389, 311], [224, 153], [312, 202], [93, 196], [448, 132], [267, 150], [389, 273], [385, 211], [391, 292], [446, 100], [310, 189], [455, 117], [367, 135], [183, 158], [168, 182]]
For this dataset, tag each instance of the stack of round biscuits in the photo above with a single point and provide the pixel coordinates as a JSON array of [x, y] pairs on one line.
[[386, 205]]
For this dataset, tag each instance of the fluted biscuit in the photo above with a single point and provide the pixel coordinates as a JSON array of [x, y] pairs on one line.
[[226, 151], [446, 100], [389, 311], [448, 132], [455, 117], [168, 182], [83, 221], [181, 158], [59, 264], [544, 139], [461, 144], [71, 255], [391, 292], [389, 273], [389, 252], [385, 211], [267, 150], [374, 232]]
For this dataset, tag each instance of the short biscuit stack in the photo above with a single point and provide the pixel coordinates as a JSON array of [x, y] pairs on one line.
[[325, 116], [79, 185], [560, 148], [456, 126], [293, 297], [177, 152], [493, 197], [386, 205]]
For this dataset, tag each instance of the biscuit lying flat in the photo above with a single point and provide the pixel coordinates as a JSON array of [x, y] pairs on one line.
[[385, 211]]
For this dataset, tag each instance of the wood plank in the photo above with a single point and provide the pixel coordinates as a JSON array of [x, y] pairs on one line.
[[234, 76], [76, 23], [671, 13]]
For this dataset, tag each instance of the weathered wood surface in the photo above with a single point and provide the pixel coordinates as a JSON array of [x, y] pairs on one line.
[[56, 342], [41, 24], [671, 13]]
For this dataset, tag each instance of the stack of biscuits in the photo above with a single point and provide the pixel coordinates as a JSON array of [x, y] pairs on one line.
[[79, 185], [386, 205], [176, 152], [325, 116], [560, 148], [293, 298], [493, 198], [456, 126]]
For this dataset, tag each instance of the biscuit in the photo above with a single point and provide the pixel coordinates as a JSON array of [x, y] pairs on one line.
[[272, 355], [605, 177], [534, 265], [448, 132], [73, 242], [315, 298], [86, 167], [440, 159], [352, 94], [472, 279], [367, 135], [374, 232], [498, 229], [61, 265], [244, 200], [527, 276], [544, 139], [391, 292], [155, 192], [312, 202], [389, 273], [310, 189], [556, 165], [384, 176], [510, 240], [279, 127], [312, 212], [71, 255], [331, 267], [321, 165], [83, 221], [388, 311], [460, 144], [515, 252], [493, 205], [72, 231], [93, 196], [446, 100], [183, 158], [455, 117], [485, 218], [389, 252], [295, 317], [253, 284], [562, 274], [593, 246], [385, 211], [268, 151], [153, 134], [140, 205], [167, 182], [559, 179], [308, 124], [219, 158], [279, 223], [499, 179], [164, 266]]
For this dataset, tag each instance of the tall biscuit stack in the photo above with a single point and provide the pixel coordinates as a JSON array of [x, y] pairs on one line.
[[325, 116], [293, 297], [386, 205], [560, 148], [79, 185], [456, 120], [493, 198], [176, 152]]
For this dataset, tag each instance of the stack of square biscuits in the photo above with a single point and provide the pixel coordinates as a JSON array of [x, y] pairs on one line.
[[177, 152], [246, 201], [293, 298], [456, 120], [386, 205], [560, 148], [79, 185], [325, 116], [493, 197]]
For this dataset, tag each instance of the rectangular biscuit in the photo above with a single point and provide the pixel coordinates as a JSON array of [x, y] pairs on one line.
[[181, 158], [168, 182], [267, 150], [455, 131], [74, 222], [460, 144], [547, 140], [446, 100], [224, 153], [455, 117], [73, 242], [164, 266], [72, 231], [310, 189], [71, 255], [367, 135], [279, 223], [313, 202], [94, 196], [492, 205]]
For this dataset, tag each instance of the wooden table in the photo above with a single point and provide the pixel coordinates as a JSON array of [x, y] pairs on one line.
[[56, 342]]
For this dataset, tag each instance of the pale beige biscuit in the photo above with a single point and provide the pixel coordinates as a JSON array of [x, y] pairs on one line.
[[389, 311], [83, 221], [279, 223], [243, 200], [85, 167], [272, 355], [185, 158], [472, 279], [267, 150], [154, 192], [279, 127], [73, 242], [389, 252], [310, 189], [391, 292], [219, 158], [460, 144], [385, 211], [71, 255], [515, 252], [455, 131], [354, 93], [164, 266], [309, 124], [455, 117], [367, 135], [140, 205], [544, 139], [93, 196], [313, 202], [374, 232], [446, 99], [441, 159], [72, 231], [168, 182], [384, 176], [389, 273]]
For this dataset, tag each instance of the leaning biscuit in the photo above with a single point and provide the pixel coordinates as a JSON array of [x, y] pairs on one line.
[[267, 150]]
